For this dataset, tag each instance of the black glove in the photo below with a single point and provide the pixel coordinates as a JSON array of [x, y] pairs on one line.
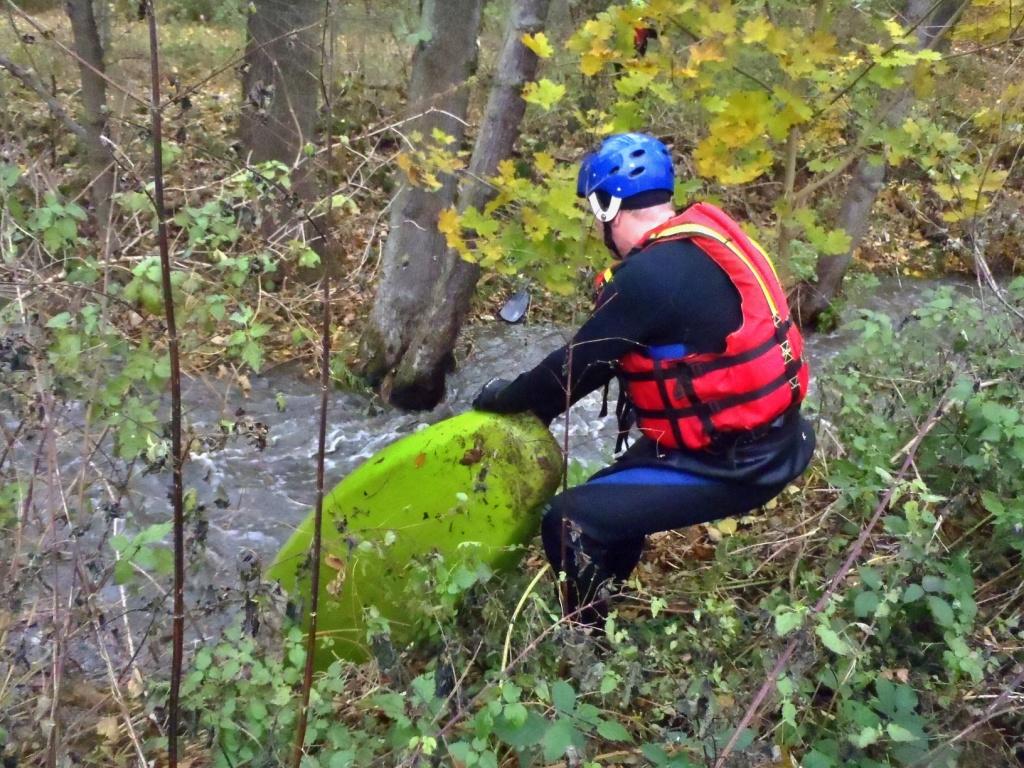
[[489, 398]]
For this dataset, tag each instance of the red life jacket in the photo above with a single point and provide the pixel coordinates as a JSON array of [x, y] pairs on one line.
[[698, 401]]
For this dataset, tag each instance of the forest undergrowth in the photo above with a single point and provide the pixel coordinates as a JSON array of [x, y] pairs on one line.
[[915, 661]]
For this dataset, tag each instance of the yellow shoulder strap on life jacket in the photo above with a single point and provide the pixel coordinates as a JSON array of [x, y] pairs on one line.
[[702, 231]]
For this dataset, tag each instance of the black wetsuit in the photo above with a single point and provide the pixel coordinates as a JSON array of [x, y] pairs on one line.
[[668, 295]]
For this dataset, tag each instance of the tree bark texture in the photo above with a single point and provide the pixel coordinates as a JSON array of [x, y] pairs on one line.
[[867, 179], [420, 376], [281, 81], [413, 255], [99, 159]]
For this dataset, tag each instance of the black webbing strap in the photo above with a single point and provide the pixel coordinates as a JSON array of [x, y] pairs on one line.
[[625, 415], [790, 376], [670, 411], [778, 338]]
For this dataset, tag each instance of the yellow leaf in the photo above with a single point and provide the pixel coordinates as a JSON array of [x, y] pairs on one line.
[[994, 180], [404, 161], [732, 165], [108, 728], [895, 29], [545, 163], [777, 41], [441, 137], [756, 30], [726, 527], [923, 81], [539, 44], [591, 63], [506, 171], [722, 21], [912, 129], [600, 28], [536, 226], [704, 52], [448, 225]]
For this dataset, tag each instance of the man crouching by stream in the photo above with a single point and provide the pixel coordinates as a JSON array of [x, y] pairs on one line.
[[693, 321]]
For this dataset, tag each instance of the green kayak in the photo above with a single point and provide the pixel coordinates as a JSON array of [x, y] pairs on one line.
[[477, 477]]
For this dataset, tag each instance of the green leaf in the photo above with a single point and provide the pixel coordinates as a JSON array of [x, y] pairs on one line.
[[309, 258], [252, 355], [941, 611], [515, 713], [899, 733], [529, 733], [60, 320], [869, 576], [563, 696], [544, 93], [559, 737], [787, 621], [865, 604], [462, 752], [8, 178], [257, 710], [831, 640], [152, 534], [816, 759], [471, 218], [613, 731], [992, 503], [906, 698], [122, 571], [865, 738], [912, 593], [162, 367], [654, 753], [835, 242], [343, 759]]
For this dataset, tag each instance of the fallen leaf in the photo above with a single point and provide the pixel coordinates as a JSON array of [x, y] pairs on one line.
[[108, 728], [726, 527]]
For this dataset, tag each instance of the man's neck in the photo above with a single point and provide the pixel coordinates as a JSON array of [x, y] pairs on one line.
[[642, 221]]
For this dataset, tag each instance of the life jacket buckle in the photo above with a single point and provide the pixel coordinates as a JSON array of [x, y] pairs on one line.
[[787, 351], [794, 383]]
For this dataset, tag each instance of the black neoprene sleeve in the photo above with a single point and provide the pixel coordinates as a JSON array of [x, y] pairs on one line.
[[665, 294]]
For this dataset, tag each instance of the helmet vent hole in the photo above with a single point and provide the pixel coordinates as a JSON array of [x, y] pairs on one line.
[[637, 153], [614, 170], [636, 172]]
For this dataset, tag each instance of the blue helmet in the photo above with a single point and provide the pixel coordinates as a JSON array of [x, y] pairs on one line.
[[626, 164]]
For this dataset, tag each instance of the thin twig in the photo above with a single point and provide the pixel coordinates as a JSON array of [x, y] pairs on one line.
[[325, 384], [177, 490]]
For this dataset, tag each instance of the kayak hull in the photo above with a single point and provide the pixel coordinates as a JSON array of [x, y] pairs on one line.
[[469, 486]]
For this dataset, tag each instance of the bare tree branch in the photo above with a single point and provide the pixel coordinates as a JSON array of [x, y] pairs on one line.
[[34, 84]]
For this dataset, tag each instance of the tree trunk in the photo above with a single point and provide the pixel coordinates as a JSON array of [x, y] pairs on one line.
[[412, 262], [99, 160], [810, 300], [281, 86], [420, 376]]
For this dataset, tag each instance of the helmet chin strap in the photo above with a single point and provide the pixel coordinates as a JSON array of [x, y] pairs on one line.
[[609, 241]]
